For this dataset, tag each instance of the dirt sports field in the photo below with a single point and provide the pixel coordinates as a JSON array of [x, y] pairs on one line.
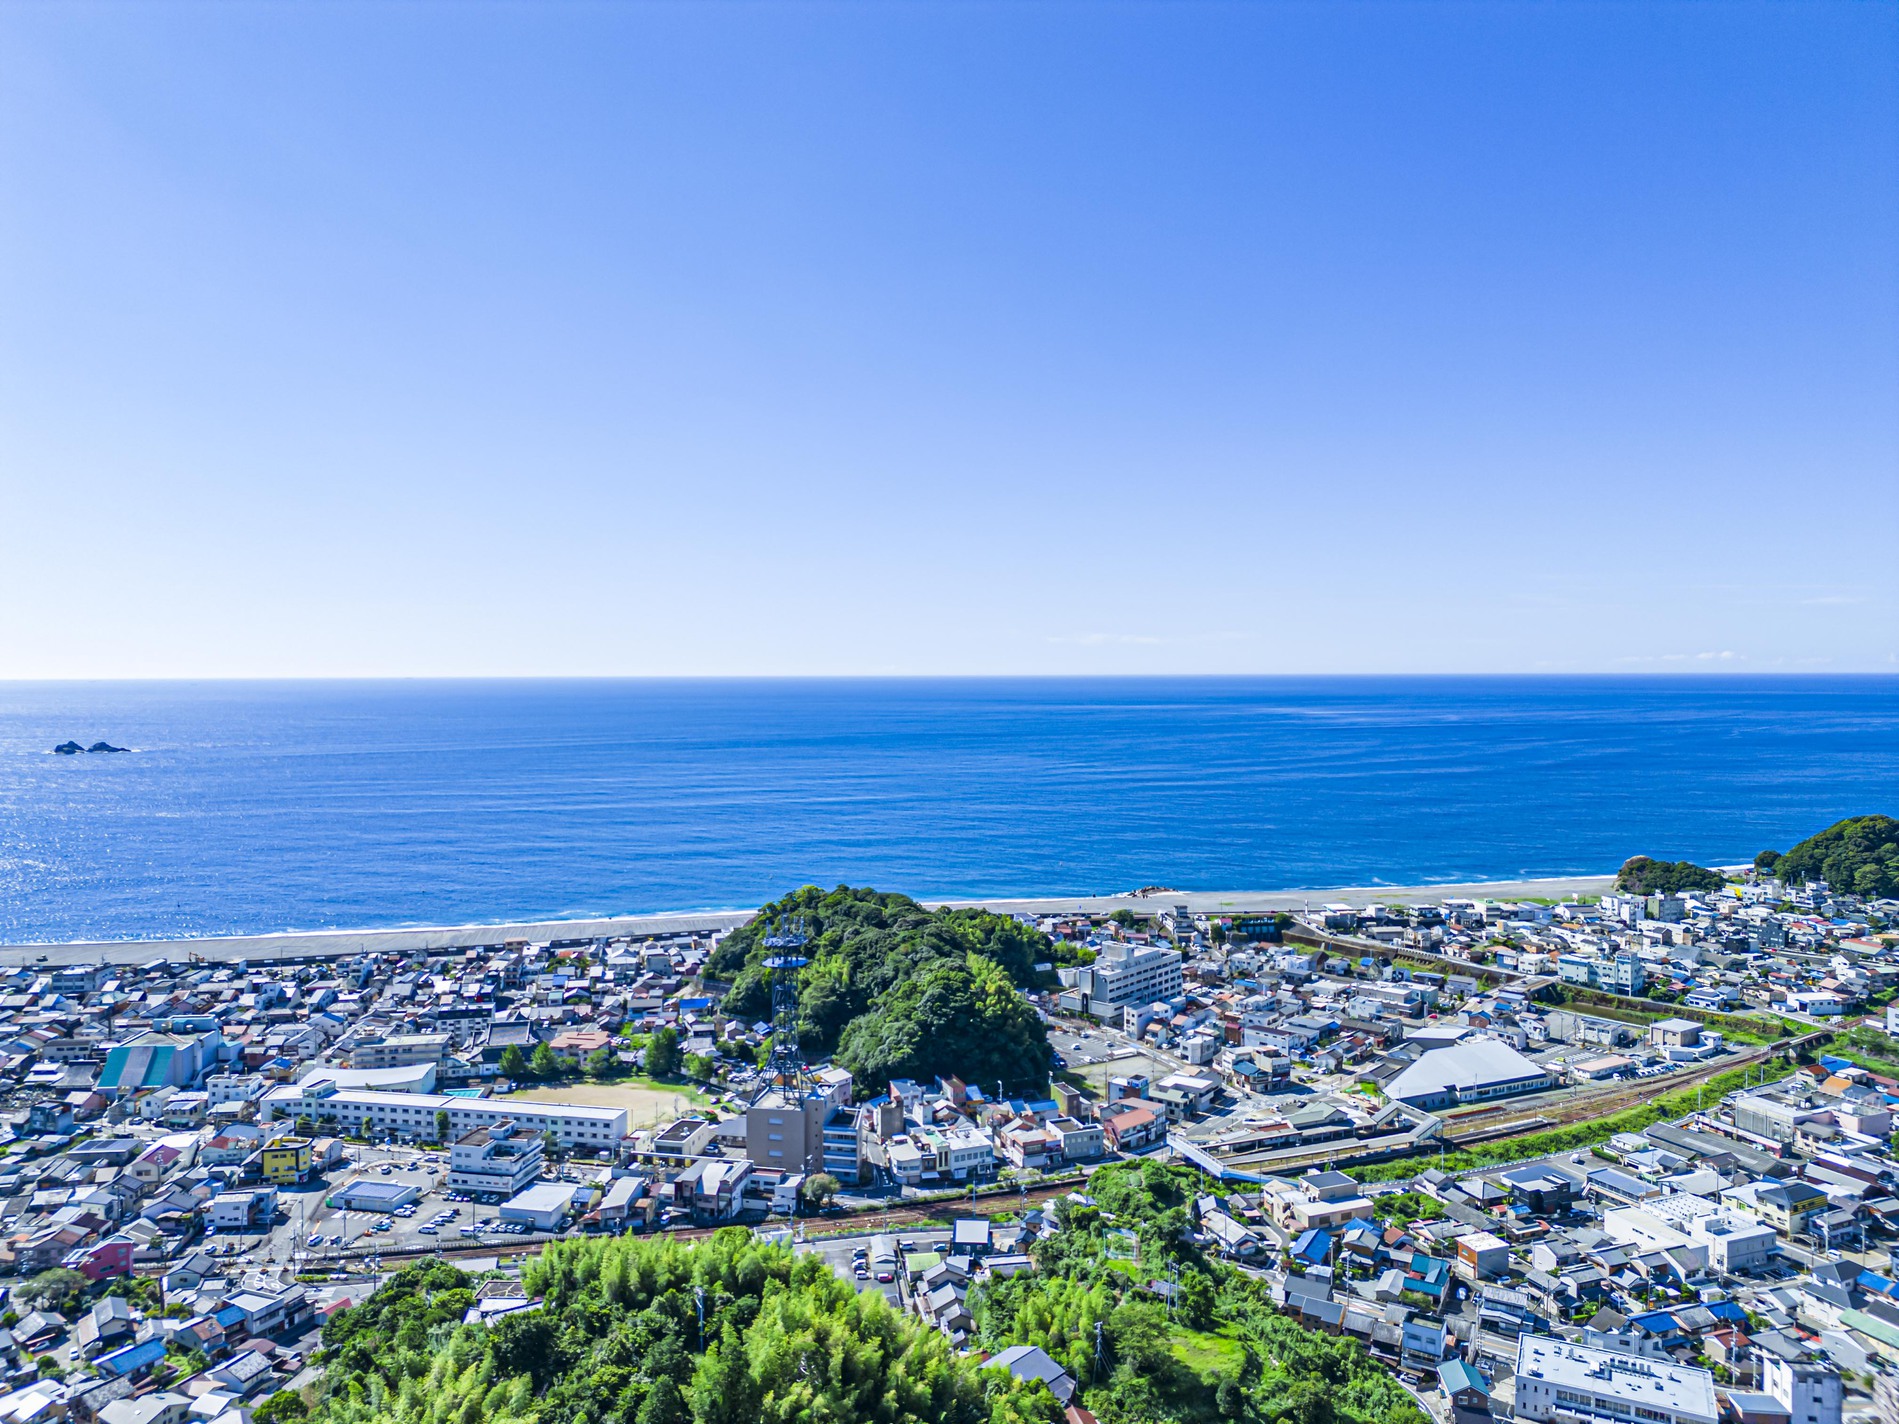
[[646, 1104]]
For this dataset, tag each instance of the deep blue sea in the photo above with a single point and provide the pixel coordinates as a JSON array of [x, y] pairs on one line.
[[250, 807]]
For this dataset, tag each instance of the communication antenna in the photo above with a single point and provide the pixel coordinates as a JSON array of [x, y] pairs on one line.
[[786, 941]]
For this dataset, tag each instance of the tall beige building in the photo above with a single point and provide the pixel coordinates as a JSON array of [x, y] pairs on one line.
[[785, 1129]]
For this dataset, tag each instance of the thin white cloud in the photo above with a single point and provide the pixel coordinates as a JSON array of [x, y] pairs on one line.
[[1726, 655]]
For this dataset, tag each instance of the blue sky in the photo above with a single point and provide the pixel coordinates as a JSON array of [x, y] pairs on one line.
[[394, 339]]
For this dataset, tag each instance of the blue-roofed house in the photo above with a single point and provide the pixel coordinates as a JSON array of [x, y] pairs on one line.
[[1661, 1325], [1463, 1386], [131, 1361], [1312, 1248], [1427, 1275]]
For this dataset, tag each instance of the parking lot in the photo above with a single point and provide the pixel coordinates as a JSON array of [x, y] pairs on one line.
[[312, 1230], [850, 1257]]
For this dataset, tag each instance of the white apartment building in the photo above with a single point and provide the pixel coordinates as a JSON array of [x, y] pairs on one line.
[[1809, 1392], [412, 1115], [1561, 1383], [500, 1159], [400, 1050], [235, 1087], [1701, 1233], [1124, 974]]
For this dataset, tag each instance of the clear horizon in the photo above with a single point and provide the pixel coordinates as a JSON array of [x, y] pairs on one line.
[[483, 340], [1369, 675]]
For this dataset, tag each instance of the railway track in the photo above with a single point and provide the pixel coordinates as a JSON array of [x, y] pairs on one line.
[[937, 1213], [1485, 1124]]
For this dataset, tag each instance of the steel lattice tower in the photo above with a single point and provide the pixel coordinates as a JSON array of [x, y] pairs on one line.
[[786, 943]]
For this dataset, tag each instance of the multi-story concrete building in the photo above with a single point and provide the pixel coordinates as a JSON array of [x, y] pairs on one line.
[[500, 1159], [1561, 1383], [1810, 1393], [401, 1050], [784, 1128], [287, 1160], [1124, 974], [843, 1157], [413, 1115]]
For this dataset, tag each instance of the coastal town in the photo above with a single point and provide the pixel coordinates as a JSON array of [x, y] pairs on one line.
[[1619, 1157]]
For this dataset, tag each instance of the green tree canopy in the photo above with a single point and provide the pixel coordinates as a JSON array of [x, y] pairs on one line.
[[1643, 876], [654, 1331], [952, 1016], [1858, 855], [881, 969], [57, 1289], [662, 1054]]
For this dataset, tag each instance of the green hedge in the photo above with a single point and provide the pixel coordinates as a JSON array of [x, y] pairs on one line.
[[1741, 1028]]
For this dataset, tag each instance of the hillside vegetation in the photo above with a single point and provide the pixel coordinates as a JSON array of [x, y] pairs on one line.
[[1643, 876], [895, 990], [1225, 1354], [1860, 854], [618, 1340]]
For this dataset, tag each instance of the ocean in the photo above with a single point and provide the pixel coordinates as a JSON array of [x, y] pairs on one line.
[[254, 807]]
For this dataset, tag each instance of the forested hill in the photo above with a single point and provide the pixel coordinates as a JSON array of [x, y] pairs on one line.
[[1859, 854], [895, 990], [1643, 876]]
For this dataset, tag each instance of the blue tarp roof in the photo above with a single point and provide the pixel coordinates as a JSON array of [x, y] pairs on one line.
[[132, 1357], [1313, 1245]]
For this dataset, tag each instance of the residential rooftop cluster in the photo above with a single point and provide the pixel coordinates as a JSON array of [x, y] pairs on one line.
[[1729, 1264]]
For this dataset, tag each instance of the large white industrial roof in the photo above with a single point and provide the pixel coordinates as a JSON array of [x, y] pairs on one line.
[[1474, 1063]]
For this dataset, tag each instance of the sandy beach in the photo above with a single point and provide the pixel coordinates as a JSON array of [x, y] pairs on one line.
[[1214, 902], [334, 944]]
